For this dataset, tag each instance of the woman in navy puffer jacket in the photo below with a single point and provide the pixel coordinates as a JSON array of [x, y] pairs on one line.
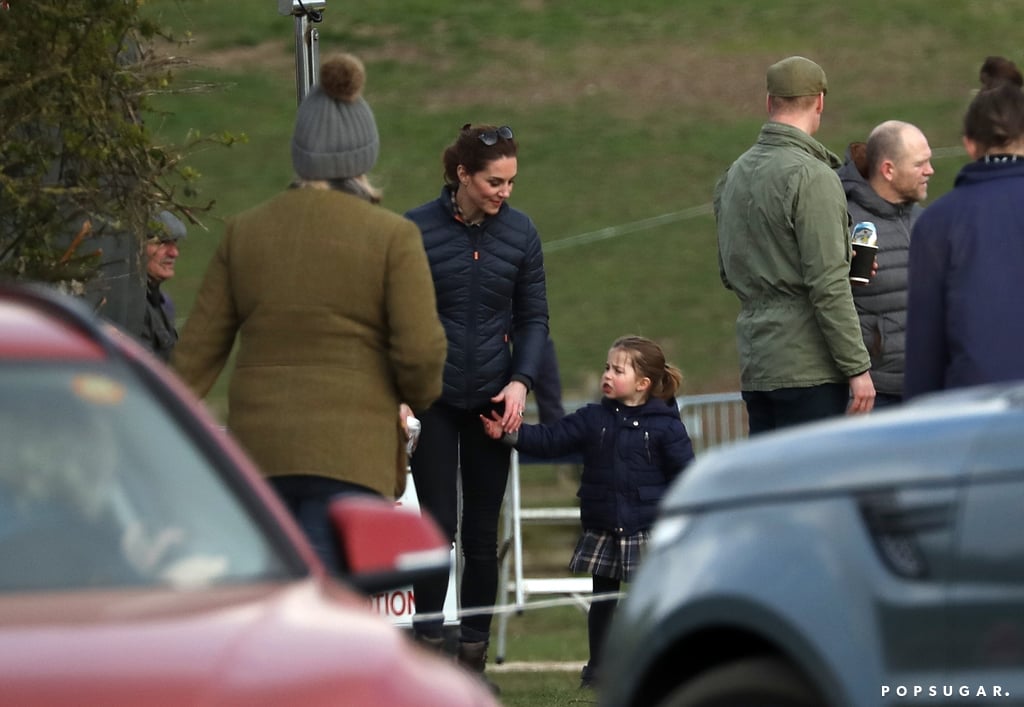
[[488, 273]]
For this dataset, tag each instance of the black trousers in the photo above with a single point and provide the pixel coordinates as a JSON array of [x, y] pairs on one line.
[[599, 618], [453, 440], [773, 409], [309, 499]]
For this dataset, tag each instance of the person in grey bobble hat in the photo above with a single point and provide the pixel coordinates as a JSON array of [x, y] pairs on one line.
[[331, 298], [335, 138]]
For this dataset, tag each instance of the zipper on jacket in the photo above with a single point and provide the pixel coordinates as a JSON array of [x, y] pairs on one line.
[[471, 344]]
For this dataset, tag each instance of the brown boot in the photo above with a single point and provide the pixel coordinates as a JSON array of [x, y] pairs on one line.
[[434, 645], [473, 656]]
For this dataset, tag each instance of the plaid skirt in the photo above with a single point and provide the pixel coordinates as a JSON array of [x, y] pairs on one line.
[[605, 554]]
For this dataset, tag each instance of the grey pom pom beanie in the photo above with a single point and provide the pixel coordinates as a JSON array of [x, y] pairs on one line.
[[335, 134]]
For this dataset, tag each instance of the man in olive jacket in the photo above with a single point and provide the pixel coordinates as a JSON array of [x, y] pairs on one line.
[[783, 246]]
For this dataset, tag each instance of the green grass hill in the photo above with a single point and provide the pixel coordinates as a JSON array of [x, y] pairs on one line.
[[626, 115]]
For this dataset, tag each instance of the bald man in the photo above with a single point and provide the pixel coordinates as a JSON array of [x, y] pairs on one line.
[[885, 181]]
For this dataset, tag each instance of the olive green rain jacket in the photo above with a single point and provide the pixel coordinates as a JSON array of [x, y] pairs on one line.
[[783, 248]]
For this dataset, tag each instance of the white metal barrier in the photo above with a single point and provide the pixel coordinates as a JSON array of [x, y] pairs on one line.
[[711, 420]]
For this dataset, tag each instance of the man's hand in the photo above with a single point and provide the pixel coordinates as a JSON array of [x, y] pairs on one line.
[[874, 270], [862, 394]]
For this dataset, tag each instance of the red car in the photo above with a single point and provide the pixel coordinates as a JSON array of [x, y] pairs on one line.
[[143, 561]]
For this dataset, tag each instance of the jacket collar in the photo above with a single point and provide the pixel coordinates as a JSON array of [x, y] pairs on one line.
[[654, 406], [981, 171], [773, 133], [446, 200]]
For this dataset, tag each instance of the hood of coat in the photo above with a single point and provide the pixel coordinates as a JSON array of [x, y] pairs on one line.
[[859, 192]]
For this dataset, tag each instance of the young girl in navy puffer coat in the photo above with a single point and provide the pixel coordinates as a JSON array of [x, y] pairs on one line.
[[633, 444]]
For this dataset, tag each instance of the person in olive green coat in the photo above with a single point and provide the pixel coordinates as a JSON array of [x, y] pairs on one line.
[[333, 303], [784, 249]]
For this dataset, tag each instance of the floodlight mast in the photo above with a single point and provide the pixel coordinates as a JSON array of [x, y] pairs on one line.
[[307, 41]]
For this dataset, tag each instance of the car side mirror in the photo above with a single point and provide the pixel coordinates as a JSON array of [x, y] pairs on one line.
[[384, 547]]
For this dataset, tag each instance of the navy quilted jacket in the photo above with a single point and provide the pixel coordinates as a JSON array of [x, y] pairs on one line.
[[489, 281], [630, 456]]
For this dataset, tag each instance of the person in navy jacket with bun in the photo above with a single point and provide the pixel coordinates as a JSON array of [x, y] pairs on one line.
[[967, 253]]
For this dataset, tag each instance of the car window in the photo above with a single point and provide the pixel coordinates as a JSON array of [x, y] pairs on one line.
[[100, 487]]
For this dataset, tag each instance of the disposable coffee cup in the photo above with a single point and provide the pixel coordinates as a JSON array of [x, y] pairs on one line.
[[862, 262], [415, 426]]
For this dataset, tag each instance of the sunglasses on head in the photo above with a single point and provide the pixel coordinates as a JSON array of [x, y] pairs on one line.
[[490, 137]]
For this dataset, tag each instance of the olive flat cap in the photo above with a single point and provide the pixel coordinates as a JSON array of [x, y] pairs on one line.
[[796, 76]]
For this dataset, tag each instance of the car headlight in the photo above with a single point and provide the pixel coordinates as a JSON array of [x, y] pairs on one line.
[[668, 530]]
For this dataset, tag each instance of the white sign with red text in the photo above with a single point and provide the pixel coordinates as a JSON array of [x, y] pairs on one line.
[[400, 604]]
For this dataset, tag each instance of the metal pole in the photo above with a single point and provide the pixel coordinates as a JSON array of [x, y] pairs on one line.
[[307, 62], [307, 41]]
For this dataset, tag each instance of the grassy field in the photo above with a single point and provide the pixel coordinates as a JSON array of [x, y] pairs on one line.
[[626, 115]]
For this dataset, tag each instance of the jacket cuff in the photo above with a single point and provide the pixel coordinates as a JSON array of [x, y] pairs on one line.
[[525, 380]]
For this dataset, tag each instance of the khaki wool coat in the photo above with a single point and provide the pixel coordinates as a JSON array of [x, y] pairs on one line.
[[333, 304]]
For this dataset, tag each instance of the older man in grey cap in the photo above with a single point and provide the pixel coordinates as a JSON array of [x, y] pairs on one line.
[[158, 331], [783, 247]]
